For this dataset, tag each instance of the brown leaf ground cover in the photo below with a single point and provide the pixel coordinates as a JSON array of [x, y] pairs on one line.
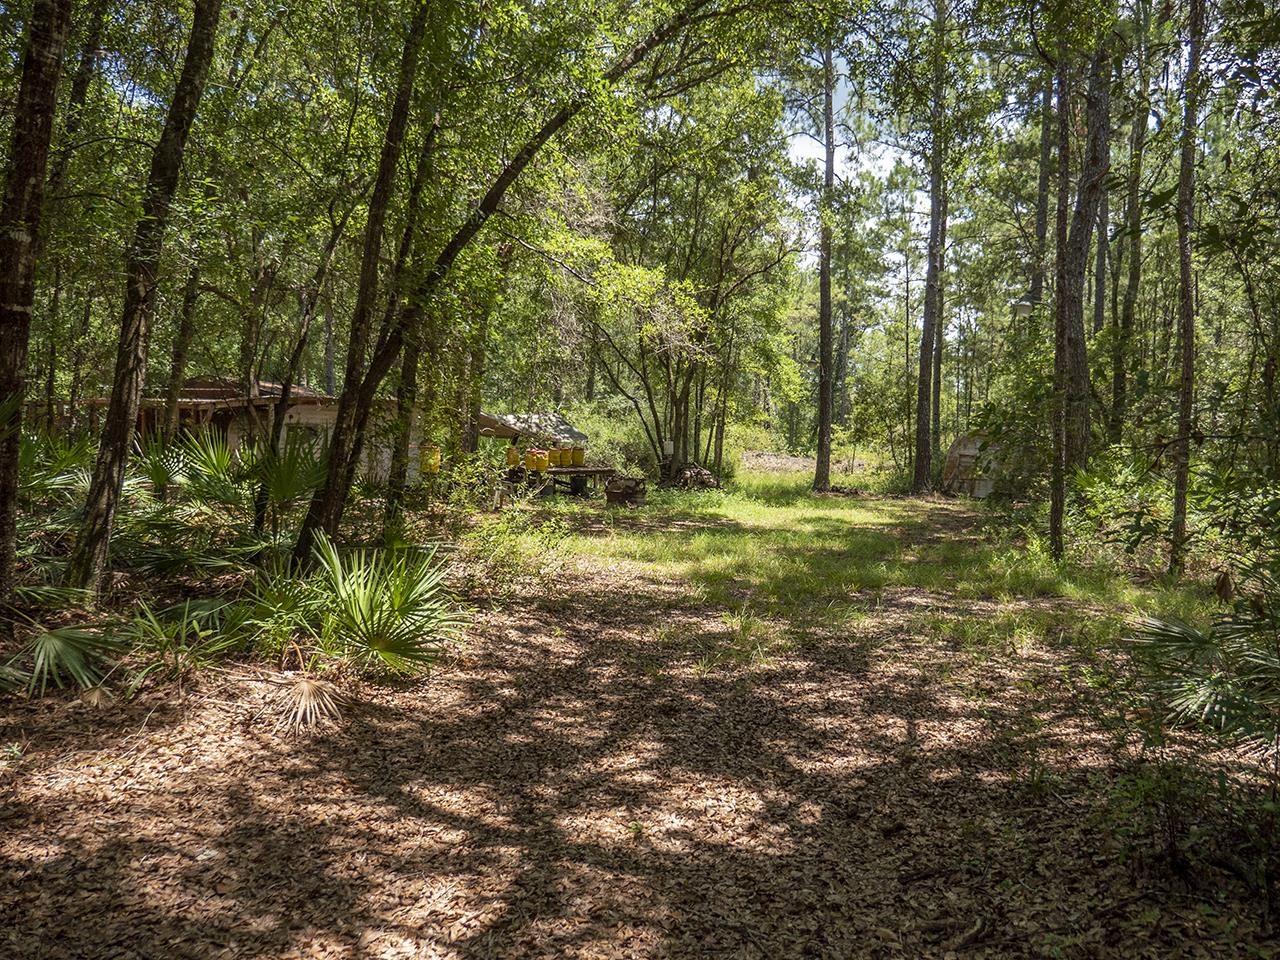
[[671, 752]]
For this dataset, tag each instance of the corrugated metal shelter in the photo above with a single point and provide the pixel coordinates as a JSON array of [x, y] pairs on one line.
[[550, 427], [972, 466]]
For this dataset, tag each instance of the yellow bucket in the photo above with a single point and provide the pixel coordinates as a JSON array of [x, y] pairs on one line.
[[531, 458], [429, 459], [544, 460], [579, 456], [513, 457], [556, 457]]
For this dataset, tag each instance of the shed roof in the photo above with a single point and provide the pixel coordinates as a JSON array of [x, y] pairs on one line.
[[539, 426]]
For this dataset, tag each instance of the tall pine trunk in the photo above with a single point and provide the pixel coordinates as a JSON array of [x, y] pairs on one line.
[[88, 561], [826, 371], [1132, 239], [922, 481], [1186, 291], [20, 216], [939, 343], [1061, 322], [1036, 292]]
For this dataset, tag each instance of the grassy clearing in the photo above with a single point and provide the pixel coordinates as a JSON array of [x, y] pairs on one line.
[[770, 548]]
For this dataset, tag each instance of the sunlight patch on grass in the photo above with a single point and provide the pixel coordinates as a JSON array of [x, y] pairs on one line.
[[820, 563]]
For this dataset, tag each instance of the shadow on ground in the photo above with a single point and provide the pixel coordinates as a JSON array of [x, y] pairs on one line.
[[558, 793]]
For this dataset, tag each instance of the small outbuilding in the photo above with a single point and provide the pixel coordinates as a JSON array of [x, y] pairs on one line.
[[972, 466], [222, 405], [539, 427]]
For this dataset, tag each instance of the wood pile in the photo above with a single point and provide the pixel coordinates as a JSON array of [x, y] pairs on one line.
[[625, 490], [693, 476]]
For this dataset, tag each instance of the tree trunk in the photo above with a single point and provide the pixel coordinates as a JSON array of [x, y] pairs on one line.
[[1058, 470], [20, 213], [940, 342], [1132, 242], [308, 300], [822, 472], [1100, 265], [406, 411], [330, 376], [922, 481], [86, 67], [181, 347], [1089, 193], [325, 511], [77, 363], [1186, 290], [51, 353], [1036, 293], [88, 561]]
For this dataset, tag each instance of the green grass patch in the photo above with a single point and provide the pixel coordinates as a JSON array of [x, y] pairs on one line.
[[821, 562]]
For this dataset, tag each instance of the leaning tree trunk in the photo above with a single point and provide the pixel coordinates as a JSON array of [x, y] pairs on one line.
[[822, 472], [20, 215], [88, 561], [1186, 292], [358, 397], [325, 511], [308, 299]]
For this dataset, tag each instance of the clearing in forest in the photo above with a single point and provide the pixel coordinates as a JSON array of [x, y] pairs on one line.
[[758, 724]]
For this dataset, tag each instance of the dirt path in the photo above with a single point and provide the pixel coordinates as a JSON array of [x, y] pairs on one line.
[[585, 782]]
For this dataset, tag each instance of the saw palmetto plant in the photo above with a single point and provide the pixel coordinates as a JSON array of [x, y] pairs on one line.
[[386, 609], [310, 703], [62, 656], [1224, 677]]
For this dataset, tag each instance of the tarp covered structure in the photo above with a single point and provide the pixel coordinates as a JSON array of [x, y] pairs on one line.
[[551, 427]]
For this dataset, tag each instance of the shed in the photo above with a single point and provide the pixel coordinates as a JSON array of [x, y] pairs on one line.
[[972, 466], [223, 405], [548, 426]]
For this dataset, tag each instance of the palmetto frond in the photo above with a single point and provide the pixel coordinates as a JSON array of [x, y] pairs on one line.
[[67, 655], [291, 473], [311, 703], [212, 472], [1225, 678], [386, 608]]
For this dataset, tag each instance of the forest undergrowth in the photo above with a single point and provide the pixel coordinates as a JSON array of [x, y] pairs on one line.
[[756, 720]]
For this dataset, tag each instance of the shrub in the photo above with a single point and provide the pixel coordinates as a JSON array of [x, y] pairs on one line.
[[516, 545], [179, 640], [1224, 678], [385, 609]]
